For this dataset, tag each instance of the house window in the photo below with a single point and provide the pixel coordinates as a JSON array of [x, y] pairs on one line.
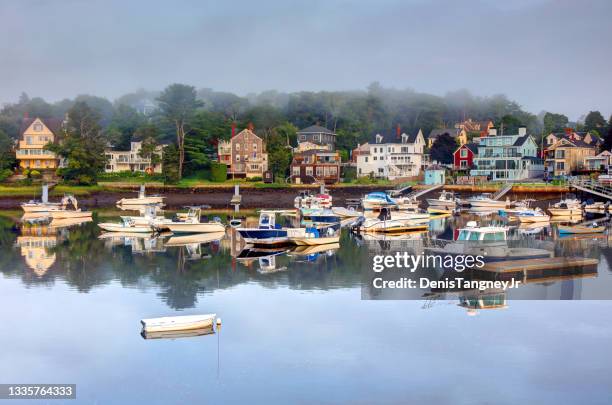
[[319, 171], [366, 159], [28, 140], [302, 137], [333, 171], [38, 127], [463, 164], [254, 167], [296, 170], [254, 146], [237, 146], [309, 170], [374, 158], [463, 153], [560, 165], [559, 154], [237, 158]]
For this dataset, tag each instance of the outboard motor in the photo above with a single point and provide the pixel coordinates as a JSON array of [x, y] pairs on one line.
[[384, 215], [356, 226]]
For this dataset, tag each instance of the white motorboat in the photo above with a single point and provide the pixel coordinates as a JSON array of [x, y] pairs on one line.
[[486, 201], [378, 200], [199, 238], [43, 205], [307, 200], [566, 207], [535, 215], [191, 223], [268, 233], [384, 222], [64, 212], [149, 217], [127, 226], [446, 200], [142, 199], [312, 236], [177, 323], [489, 242], [407, 203]]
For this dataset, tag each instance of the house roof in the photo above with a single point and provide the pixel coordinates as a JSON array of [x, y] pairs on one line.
[[521, 140], [316, 129], [567, 142], [435, 133], [391, 137], [54, 124], [471, 146]]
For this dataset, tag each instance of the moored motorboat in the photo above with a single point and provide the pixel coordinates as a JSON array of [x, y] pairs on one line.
[[64, 212], [312, 236], [178, 323], [534, 215], [191, 223], [307, 200], [385, 223], [126, 225], [486, 200], [142, 199], [318, 216], [581, 229], [566, 207], [267, 232], [377, 200], [43, 205], [198, 238], [446, 200]]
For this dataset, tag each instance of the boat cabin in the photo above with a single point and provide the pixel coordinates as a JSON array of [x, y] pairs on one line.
[[472, 232]]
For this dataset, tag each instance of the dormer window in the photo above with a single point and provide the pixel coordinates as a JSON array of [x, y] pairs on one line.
[[38, 127], [404, 138], [379, 138]]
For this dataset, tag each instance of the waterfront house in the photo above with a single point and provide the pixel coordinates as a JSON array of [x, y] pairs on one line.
[[470, 125], [244, 154], [315, 166], [132, 161], [507, 157], [35, 133], [459, 134], [570, 134], [601, 162], [317, 135], [567, 155], [435, 174], [463, 157], [390, 155]]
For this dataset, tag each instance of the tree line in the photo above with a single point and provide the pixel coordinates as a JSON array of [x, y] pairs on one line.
[[191, 121]]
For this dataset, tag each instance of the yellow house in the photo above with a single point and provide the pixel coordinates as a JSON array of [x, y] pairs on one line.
[[567, 155], [35, 134]]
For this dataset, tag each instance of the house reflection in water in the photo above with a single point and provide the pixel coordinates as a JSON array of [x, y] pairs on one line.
[[36, 242]]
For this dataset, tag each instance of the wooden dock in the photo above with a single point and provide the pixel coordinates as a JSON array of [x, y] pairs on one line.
[[523, 266]]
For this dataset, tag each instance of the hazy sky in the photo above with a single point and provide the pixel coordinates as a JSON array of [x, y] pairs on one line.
[[547, 55]]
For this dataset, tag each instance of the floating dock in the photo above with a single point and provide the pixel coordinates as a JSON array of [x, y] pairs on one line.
[[538, 270]]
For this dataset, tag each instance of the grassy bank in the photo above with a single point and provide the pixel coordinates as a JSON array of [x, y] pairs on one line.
[[59, 190]]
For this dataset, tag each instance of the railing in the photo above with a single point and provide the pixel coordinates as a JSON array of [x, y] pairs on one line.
[[34, 153], [592, 187]]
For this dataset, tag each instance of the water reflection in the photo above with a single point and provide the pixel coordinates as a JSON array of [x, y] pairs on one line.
[[183, 268]]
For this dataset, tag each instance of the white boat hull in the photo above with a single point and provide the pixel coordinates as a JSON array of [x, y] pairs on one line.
[[565, 211], [116, 227], [346, 213], [69, 214], [532, 219], [141, 201], [177, 323], [487, 203], [40, 207]]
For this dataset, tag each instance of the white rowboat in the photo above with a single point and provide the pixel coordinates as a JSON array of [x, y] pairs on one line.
[[176, 323]]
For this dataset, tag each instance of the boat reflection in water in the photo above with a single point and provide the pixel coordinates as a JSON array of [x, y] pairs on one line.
[[140, 243]]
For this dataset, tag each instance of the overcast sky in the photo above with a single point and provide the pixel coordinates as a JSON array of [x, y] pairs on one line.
[[547, 55]]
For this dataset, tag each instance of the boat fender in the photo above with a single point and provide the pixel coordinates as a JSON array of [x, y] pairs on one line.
[[218, 321]]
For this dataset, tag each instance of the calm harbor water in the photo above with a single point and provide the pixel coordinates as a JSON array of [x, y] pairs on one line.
[[295, 328]]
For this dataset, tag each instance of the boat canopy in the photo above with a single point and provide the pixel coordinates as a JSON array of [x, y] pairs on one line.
[[379, 195]]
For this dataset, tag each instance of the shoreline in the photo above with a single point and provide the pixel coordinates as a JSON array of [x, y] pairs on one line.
[[218, 197]]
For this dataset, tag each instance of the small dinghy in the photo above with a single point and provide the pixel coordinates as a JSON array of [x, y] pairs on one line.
[[178, 323], [581, 229], [178, 334]]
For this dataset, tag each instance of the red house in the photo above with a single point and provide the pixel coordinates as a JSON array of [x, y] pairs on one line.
[[463, 157]]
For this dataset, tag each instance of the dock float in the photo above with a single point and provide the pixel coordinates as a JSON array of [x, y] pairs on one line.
[[553, 263]]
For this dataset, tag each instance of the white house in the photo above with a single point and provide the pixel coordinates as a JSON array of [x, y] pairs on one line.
[[390, 156], [131, 160]]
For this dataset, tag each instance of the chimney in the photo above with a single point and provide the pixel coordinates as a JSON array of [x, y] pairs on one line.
[[492, 131], [398, 131], [233, 129], [250, 126], [522, 131]]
